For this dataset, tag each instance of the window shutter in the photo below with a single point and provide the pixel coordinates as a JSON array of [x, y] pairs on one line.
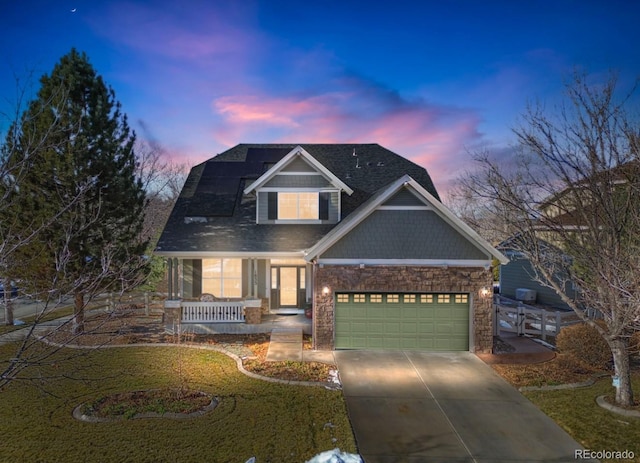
[[323, 206], [272, 205]]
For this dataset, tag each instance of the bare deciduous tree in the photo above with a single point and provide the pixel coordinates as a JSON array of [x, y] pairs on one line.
[[162, 179], [572, 206]]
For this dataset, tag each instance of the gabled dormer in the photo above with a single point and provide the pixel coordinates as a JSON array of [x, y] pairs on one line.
[[298, 190]]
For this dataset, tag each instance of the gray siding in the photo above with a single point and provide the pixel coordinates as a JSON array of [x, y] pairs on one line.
[[299, 165], [263, 207], [518, 273], [298, 181], [334, 208], [389, 234], [404, 197]]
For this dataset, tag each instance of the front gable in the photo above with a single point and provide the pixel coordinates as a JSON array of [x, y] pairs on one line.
[[395, 234], [403, 224], [298, 163]]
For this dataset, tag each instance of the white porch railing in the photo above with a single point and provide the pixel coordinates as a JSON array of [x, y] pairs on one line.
[[212, 312]]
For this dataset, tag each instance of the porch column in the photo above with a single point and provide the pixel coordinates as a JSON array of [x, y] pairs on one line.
[[255, 277], [170, 277], [176, 279]]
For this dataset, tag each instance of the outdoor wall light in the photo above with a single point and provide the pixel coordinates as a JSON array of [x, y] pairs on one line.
[[485, 291], [325, 291]]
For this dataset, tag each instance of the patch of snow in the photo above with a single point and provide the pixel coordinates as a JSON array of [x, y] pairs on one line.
[[548, 328], [17, 322], [544, 343], [335, 456], [505, 324]]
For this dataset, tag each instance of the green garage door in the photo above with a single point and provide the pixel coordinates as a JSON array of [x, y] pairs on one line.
[[438, 322]]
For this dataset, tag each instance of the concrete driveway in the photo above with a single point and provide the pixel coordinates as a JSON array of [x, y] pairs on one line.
[[443, 407]]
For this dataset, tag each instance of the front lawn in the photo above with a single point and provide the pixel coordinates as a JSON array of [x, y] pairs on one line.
[[594, 427], [273, 422], [576, 410]]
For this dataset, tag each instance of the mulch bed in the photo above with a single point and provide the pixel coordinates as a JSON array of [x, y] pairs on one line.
[[160, 401]]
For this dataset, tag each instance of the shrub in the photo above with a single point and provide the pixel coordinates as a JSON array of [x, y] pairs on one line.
[[585, 344]]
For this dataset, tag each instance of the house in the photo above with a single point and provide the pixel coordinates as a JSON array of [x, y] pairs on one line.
[[518, 279], [354, 230], [600, 200]]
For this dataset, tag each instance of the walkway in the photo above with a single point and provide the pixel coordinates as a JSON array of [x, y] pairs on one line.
[[525, 350], [286, 345]]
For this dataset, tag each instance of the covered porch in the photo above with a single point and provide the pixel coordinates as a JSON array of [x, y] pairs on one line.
[[238, 294]]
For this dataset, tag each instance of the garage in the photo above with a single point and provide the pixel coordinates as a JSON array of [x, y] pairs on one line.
[[421, 321]]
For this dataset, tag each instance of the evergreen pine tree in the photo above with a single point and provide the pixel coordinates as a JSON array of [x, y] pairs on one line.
[[81, 183]]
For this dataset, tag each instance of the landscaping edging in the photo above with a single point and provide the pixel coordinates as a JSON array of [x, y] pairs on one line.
[[237, 359], [78, 415], [558, 387], [600, 400]]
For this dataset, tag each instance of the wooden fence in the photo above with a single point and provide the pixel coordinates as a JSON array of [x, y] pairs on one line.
[[114, 302], [517, 317]]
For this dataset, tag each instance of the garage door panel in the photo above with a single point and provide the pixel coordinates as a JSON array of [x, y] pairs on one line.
[[425, 328], [376, 311], [393, 328], [409, 312], [402, 321], [444, 328], [409, 328], [375, 328]]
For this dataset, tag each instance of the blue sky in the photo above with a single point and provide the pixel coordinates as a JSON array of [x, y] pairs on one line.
[[430, 80]]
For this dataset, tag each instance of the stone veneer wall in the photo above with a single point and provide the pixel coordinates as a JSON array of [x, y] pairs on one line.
[[403, 278]]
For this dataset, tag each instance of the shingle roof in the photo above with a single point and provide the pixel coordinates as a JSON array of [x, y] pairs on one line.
[[211, 214]]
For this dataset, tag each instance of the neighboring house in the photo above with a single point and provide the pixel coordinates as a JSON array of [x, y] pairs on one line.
[[569, 210], [518, 274], [354, 230]]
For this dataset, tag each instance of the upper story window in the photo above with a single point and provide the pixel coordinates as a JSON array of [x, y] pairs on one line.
[[298, 206], [295, 206]]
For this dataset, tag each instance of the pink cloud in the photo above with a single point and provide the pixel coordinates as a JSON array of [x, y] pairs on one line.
[[430, 135]]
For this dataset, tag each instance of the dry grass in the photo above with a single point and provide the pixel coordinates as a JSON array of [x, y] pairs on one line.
[[273, 422], [575, 409], [595, 428], [563, 369], [159, 401]]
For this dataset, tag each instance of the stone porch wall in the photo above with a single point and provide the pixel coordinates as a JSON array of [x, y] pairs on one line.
[[403, 278]]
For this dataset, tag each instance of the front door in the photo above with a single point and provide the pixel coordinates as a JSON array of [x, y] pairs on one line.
[[287, 287]]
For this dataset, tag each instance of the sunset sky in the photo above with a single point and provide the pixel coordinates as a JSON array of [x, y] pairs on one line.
[[430, 80]]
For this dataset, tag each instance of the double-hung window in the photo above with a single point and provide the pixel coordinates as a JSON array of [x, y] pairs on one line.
[[222, 277], [298, 206]]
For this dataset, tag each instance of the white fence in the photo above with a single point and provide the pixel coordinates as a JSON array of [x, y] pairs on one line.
[[127, 301], [516, 317], [212, 312]]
